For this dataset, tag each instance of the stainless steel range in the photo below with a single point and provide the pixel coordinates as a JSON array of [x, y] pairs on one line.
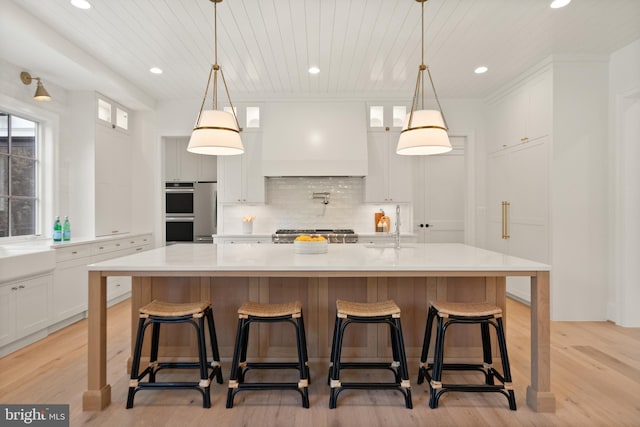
[[332, 235]]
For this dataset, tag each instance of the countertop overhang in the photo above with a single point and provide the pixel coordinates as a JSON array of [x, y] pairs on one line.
[[340, 259]]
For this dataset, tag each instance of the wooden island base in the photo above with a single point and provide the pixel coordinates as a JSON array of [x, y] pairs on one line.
[[318, 296], [229, 275]]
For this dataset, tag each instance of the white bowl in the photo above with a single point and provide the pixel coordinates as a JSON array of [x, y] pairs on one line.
[[302, 247]]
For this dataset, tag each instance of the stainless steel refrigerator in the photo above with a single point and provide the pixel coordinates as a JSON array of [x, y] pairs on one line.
[[205, 211]]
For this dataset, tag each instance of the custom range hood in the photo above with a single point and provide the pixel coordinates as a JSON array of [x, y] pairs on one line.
[[314, 139]]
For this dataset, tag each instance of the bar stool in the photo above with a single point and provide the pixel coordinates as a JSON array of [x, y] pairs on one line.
[[375, 312], [249, 313], [449, 313], [158, 312]]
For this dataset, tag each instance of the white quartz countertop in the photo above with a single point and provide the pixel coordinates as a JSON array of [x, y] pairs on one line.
[[339, 258]]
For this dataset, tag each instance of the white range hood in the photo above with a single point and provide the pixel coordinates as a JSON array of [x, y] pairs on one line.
[[314, 139]]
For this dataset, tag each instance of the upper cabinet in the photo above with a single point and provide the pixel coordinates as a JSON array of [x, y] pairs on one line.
[[389, 178], [112, 169], [241, 179], [522, 115], [181, 165], [389, 174]]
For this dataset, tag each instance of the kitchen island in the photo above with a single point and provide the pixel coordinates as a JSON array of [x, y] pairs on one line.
[[228, 275]]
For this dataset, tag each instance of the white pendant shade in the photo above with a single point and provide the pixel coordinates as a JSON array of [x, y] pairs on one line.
[[216, 133], [427, 135]]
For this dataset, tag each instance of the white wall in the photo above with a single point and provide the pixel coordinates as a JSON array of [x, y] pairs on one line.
[[579, 184], [17, 98], [624, 102]]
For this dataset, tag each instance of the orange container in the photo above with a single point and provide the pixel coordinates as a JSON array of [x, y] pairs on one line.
[[378, 216]]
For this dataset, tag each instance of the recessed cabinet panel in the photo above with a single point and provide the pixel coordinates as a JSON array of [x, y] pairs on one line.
[[389, 177], [241, 179], [113, 182], [518, 205], [182, 165], [522, 115]]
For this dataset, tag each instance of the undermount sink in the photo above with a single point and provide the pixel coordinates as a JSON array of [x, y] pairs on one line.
[[20, 261]]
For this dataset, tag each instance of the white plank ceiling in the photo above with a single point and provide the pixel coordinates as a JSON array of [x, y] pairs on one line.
[[364, 48]]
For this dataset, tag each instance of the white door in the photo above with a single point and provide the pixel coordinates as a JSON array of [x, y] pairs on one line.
[[440, 195]]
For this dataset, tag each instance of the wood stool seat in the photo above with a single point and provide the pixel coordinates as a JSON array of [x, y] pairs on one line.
[[255, 309], [385, 312], [169, 309], [249, 313], [367, 309], [158, 312], [447, 314]]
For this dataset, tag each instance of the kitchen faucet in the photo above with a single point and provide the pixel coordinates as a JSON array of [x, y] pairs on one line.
[[397, 228]]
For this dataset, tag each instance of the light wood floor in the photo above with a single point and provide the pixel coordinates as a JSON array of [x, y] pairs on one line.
[[595, 377]]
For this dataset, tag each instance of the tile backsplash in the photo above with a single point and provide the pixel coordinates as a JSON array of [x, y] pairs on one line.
[[290, 204]]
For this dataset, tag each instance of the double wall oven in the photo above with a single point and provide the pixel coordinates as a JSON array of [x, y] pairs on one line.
[[190, 211], [179, 212]]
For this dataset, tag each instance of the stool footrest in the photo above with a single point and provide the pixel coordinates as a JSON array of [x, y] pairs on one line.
[[169, 385], [268, 386], [371, 386], [272, 365], [366, 365], [474, 387]]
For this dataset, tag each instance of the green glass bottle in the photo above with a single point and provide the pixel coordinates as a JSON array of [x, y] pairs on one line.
[[66, 229], [57, 230]]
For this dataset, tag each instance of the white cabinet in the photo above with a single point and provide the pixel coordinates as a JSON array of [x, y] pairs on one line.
[[240, 177], [24, 306], [518, 205], [182, 165], [439, 195], [118, 287], [112, 181], [389, 176], [70, 282], [522, 115]]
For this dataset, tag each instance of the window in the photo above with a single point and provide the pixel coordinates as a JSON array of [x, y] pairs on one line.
[[376, 116], [18, 175], [253, 117], [122, 119], [399, 114], [112, 113]]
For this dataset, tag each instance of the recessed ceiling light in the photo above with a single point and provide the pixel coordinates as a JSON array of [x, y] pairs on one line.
[[481, 70], [314, 70], [155, 70], [81, 4], [557, 4]]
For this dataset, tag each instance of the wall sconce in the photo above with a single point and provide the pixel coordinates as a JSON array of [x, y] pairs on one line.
[[41, 93]]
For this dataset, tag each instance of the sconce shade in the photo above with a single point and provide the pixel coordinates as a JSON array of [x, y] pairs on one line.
[[41, 93], [216, 133], [427, 134]]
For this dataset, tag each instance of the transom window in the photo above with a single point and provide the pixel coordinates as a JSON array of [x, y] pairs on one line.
[[18, 175]]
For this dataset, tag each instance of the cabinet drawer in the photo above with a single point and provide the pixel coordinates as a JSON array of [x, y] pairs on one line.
[[108, 246], [72, 252]]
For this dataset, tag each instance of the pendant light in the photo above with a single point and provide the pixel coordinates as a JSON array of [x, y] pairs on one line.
[[424, 131], [216, 132]]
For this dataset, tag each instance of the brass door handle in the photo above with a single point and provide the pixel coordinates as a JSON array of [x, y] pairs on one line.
[[505, 220]]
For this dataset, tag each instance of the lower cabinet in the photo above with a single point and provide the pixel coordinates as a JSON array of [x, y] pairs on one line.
[[24, 308], [70, 291]]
